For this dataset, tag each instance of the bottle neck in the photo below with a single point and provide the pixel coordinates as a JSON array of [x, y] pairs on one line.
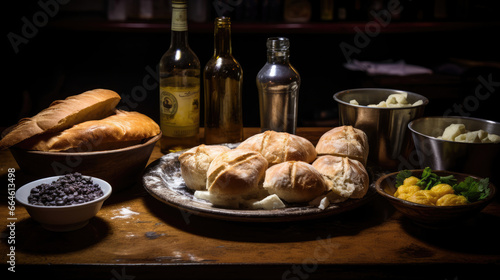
[[179, 39], [222, 37], [278, 50], [179, 26], [278, 56]]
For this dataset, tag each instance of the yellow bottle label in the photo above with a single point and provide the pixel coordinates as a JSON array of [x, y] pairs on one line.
[[179, 111]]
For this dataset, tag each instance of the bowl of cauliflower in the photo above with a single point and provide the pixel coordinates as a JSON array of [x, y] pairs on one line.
[[434, 197], [383, 114], [458, 144]]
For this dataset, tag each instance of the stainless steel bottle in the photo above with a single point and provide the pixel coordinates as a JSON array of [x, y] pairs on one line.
[[278, 85]]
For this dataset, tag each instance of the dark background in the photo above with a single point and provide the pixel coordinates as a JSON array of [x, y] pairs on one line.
[[78, 49]]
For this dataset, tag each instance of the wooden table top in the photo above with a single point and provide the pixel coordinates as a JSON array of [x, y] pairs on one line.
[[135, 236]]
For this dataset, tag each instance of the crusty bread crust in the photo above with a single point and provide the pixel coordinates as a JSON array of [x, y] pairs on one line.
[[294, 181], [236, 172], [119, 130], [195, 162], [344, 176], [62, 114], [344, 141], [277, 147]]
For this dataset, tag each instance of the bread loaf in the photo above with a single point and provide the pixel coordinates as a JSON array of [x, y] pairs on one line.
[[344, 141], [236, 174], [294, 181], [344, 176], [62, 114], [195, 162], [279, 147], [116, 131]]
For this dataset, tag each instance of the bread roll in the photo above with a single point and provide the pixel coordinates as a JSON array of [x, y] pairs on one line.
[[279, 147], [294, 181], [344, 141], [116, 131], [236, 174], [195, 163], [344, 176], [62, 114]]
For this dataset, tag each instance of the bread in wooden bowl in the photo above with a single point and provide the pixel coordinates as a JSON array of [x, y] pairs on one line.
[[84, 133], [63, 114], [195, 163], [122, 129], [344, 141], [277, 147]]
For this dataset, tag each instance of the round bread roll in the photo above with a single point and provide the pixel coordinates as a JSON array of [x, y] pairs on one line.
[[236, 174], [344, 141], [344, 176], [195, 163], [294, 181], [279, 147]]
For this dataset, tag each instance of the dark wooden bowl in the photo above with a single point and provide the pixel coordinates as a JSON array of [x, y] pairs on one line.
[[120, 167], [426, 214]]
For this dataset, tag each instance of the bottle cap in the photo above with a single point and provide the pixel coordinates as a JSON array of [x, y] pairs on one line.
[[223, 21], [278, 43]]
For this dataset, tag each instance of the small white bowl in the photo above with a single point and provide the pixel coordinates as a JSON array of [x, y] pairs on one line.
[[62, 218]]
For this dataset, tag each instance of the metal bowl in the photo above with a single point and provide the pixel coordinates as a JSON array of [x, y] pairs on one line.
[[480, 159], [387, 128]]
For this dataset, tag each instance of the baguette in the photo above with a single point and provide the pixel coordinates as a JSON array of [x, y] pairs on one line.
[[62, 114], [120, 130]]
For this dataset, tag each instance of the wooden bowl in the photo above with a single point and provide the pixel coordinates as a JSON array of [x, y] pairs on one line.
[[431, 215], [120, 168]]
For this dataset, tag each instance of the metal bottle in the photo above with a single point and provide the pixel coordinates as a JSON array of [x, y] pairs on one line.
[[278, 85]]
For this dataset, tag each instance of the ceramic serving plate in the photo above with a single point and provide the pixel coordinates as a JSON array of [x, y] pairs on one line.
[[163, 180]]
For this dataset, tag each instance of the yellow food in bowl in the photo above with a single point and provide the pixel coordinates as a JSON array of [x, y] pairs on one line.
[[410, 181], [442, 189], [406, 191], [423, 197], [451, 200], [439, 195]]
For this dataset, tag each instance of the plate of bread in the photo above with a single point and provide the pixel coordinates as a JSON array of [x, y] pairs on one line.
[[269, 177]]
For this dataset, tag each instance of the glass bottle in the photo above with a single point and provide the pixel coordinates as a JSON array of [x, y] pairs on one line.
[[223, 80], [278, 85], [179, 87]]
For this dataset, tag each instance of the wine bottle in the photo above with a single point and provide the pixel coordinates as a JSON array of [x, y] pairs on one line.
[[179, 87], [223, 81]]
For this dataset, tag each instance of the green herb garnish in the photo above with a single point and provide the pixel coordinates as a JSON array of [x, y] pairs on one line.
[[472, 189], [429, 179], [402, 175]]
